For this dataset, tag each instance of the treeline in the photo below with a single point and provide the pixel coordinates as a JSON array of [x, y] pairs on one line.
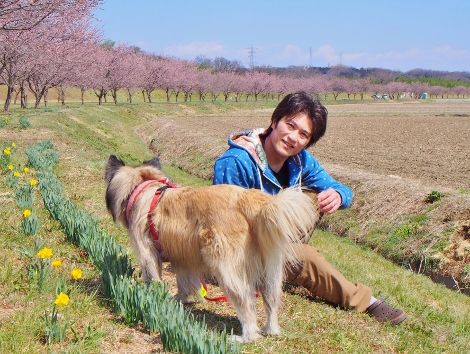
[[48, 44]]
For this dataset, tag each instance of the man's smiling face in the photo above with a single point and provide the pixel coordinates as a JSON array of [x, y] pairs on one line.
[[291, 135]]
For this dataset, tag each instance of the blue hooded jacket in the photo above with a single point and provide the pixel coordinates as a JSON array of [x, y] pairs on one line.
[[244, 164]]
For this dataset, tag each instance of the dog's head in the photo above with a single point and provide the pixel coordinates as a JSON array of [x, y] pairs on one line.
[[122, 180]]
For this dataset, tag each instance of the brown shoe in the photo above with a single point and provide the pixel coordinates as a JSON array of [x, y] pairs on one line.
[[383, 312]]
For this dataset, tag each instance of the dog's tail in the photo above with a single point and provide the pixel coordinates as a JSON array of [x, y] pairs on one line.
[[288, 218]]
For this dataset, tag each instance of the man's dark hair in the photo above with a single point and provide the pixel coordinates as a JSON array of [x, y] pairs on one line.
[[302, 102]]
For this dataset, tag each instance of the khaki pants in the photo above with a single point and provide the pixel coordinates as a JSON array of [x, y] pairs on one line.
[[319, 277]]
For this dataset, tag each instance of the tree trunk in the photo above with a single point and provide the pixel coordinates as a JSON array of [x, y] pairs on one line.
[[17, 93], [23, 96], [167, 90], [82, 91], [62, 95], [46, 92], [129, 95], [100, 95], [149, 96], [114, 94], [143, 95], [10, 90]]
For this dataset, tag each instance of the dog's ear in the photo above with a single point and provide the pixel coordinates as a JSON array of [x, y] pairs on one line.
[[113, 165], [155, 162]]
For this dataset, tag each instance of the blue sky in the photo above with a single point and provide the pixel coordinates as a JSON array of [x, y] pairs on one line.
[[392, 34]]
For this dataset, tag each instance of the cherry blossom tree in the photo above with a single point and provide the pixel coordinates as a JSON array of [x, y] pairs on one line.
[[24, 15], [31, 31], [258, 82], [338, 86]]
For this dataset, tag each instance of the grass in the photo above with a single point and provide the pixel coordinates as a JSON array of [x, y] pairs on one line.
[[439, 319]]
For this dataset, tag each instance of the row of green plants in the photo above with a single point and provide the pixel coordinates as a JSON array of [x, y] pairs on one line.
[[40, 263], [24, 122], [149, 304], [23, 184]]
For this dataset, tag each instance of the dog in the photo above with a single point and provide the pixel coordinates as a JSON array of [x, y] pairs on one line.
[[241, 237]]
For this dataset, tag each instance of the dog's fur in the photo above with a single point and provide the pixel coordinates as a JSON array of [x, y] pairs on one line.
[[242, 237]]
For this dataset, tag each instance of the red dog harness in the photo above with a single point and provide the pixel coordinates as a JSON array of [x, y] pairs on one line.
[[156, 198]]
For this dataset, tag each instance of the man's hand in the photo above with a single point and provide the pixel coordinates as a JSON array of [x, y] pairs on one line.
[[329, 201]]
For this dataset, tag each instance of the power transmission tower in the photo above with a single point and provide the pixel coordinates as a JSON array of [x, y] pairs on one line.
[[251, 56]]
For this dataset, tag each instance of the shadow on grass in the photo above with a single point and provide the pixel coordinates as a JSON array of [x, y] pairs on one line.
[[215, 321]]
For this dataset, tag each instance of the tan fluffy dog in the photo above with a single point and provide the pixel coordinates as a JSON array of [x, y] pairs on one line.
[[242, 237]]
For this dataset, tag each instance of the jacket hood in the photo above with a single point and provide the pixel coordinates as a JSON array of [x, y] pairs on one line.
[[250, 141]]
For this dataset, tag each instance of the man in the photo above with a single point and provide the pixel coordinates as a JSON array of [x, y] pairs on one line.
[[275, 158]]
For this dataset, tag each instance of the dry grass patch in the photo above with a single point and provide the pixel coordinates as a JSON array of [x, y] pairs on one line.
[[393, 155]]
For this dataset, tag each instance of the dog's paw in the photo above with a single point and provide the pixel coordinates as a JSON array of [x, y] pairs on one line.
[[183, 298], [189, 299], [271, 330], [245, 338]]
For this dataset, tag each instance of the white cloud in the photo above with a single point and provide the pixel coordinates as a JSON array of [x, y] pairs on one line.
[[443, 57], [193, 49], [292, 52], [326, 53]]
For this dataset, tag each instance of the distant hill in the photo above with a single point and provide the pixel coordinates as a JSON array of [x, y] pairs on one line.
[[377, 75]]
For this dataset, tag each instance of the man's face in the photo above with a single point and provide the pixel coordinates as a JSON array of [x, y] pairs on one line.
[[291, 134]]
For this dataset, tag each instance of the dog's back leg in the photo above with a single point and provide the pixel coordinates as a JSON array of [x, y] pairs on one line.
[[270, 288], [243, 298]]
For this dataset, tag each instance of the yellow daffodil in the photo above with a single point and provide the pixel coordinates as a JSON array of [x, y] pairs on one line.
[[61, 300], [7, 151], [26, 170], [33, 182], [26, 213], [76, 274], [56, 263], [16, 174], [44, 253], [10, 167], [13, 145]]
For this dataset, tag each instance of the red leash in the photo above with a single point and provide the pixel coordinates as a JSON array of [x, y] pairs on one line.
[[220, 298]]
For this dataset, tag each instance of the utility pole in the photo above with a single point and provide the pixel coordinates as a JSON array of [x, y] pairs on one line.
[[310, 58]]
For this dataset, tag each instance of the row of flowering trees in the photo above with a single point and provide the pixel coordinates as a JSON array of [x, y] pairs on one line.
[[51, 43]]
